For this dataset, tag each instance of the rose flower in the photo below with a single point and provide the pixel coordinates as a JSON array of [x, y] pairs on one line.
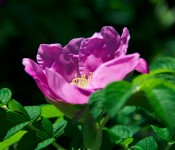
[[70, 74]]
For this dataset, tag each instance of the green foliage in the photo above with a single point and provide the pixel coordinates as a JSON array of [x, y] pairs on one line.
[[12, 140], [5, 96], [26, 126], [163, 133], [117, 117], [148, 143], [50, 111]]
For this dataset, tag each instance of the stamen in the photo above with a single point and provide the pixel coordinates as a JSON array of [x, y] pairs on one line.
[[82, 81]]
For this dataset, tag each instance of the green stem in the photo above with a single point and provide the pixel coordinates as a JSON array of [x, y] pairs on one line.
[[168, 146], [57, 146], [99, 133], [105, 121], [98, 140], [5, 108]]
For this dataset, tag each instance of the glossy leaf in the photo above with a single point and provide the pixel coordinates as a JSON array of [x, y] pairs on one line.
[[147, 143], [96, 103], [164, 63], [47, 126], [163, 133], [11, 123], [116, 96], [45, 143], [34, 112], [59, 127], [161, 99], [13, 105], [5, 96]]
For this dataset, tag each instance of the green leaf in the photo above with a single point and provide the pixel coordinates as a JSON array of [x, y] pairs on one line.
[[15, 129], [5, 96], [59, 127], [114, 138], [16, 106], [163, 133], [164, 63], [28, 142], [153, 74], [116, 96], [90, 134], [121, 131], [96, 103], [13, 139], [34, 112], [47, 126], [45, 143], [50, 111], [34, 140], [126, 142], [147, 143], [161, 98], [11, 123]]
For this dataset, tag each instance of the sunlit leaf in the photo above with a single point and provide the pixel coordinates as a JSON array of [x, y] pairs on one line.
[[13, 139], [161, 99], [164, 63], [147, 143], [50, 111], [116, 96], [163, 133]]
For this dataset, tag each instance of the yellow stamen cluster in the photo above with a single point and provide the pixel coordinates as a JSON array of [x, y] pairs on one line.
[[82, 81]]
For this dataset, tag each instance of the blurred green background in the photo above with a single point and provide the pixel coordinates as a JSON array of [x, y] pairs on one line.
[[26, 24]]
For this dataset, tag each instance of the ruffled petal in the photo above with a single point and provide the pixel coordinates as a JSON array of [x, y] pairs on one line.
[[35, 71], [113, 70], [142, 66], [54, 57], [73, 46], [71, 55], [98, 49], [124, 43], [67, 92], [48, 54]]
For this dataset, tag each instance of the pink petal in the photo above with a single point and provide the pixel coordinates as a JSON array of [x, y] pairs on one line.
[[48, 54], [98, 49], [67, 92], [124, 43], [113, 70], [142, 66], [55, 57], [35, 71]]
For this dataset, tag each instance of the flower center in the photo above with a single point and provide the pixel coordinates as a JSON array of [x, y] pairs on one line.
[[82, 81]]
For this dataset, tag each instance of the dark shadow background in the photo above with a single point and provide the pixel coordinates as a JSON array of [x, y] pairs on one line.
[[26, 24]]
